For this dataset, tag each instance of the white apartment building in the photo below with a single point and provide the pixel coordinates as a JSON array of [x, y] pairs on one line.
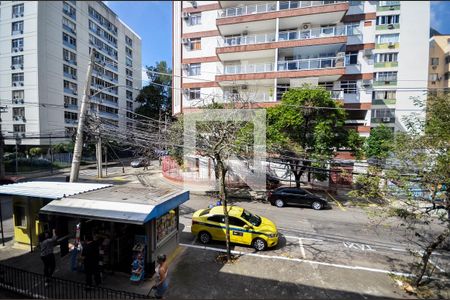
[[45, 48], [371, 55]]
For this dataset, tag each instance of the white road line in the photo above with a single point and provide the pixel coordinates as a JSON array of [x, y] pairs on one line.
[[399, 249], [301, 248], [312, 262], [300, 237]]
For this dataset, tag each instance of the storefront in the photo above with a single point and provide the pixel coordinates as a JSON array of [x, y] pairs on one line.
[[28, 198], [126, 221]]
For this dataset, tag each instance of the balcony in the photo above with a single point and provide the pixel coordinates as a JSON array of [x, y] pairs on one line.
[[388, 26], [388, 64], [71, 46], [387, 46], [71, 106], [388, 81], [247, 40], [258, 8], [108, 115], [255, 96], [70, 76], [388, 5], [315, 33], [69, 29], [17, 66], [16, 32], [337, 94], [311, 64], [20, 118], [71, 121], [249, 68], [70, 91], [17, 83], [385, 120], [383, 101]]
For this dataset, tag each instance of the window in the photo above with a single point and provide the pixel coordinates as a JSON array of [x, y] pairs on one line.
[[386, 57], [69, 25], [386, 76], [128, 62], [20, 216], [328, 85], [194, 69], [236, 222], [387, 38], [102, 20], [70, 101], [434, 76], [384, 95], [69, 10], [217, 218], [385, 20], [195, 19], [351, 58], [355, 3], [69, 40], [19, 128], [447, 59], [383, 113], [447, 76], [17, 27], [17, 10], [281, 89], [17, 60], [194, 94], [128, 41], [349, 86], [129, 72], [129, 105], [70, 72], [388, 3], [70, 87], [129, 83], [18, 112], [17, 45], [17, 78], [129, 95], [128, 52], [195, 44], [69, 56], [70, 116], [353, 29], [435, 61], [18, 95]]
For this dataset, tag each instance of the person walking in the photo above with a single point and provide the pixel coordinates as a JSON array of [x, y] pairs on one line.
[[161, 271], [47, 244], [91, 257]]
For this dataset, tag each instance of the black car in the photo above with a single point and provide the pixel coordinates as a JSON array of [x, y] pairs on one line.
[[287, 195]]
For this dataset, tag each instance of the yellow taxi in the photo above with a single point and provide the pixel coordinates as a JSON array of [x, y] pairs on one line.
[[245, 228]]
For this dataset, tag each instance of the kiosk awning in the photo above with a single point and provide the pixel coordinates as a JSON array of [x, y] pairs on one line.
[[49, 189]]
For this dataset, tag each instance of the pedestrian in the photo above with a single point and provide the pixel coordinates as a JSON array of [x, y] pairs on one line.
[[91, 258], [47, 244], [161, 276]]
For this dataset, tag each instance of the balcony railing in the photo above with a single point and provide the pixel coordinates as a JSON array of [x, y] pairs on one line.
[[71, 121], [337, 94], [310, 64], [108, 115], [247, 39], [258, 97], [314, 33], [250, 68], [268, 7]]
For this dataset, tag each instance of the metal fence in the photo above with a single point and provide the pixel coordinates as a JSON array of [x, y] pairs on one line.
[[32, 285]]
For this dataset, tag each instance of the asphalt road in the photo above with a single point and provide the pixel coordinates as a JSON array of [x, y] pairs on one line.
[[346, 238]]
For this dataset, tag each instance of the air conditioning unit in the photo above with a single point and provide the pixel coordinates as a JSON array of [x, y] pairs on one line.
[[75, 92], [21, 14], [367, 82], [306, 26], [14, 84], [245, 32], [66, 105], [439, 78], [185, 67], [21, 83], [16, 49], [392, 8], [15, 101], [13, 67], [244, 87], [386, 119], [21, 49], [21, 32], [21, 101], [16, 118], [23, 134], [368, 52], [391, 45], [74, 77], [186, 41], [194, 4], [21, 67], [434, 67], [23, 119], [390, 26], [186, 15]]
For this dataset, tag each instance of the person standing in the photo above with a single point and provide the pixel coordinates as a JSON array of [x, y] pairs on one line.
[[47, 244], [161, 271], [91, 256]]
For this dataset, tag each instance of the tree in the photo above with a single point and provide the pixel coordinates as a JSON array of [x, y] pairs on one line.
[[380, 142], [419, 176], [156, 98], [306, 129]]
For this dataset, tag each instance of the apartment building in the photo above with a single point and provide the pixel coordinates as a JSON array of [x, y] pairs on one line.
[[371, 55], [45, 49], [439, 63]]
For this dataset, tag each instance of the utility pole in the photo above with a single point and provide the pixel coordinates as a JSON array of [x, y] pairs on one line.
[[51, 155], [77, 150], [99, 153], [17, 155], [2, 145]]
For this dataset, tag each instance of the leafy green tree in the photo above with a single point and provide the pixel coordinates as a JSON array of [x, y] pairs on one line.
[[306, 129], [155, 99], [380, 142]]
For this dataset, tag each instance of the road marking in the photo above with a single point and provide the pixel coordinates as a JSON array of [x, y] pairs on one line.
[[436, 265], [312, 262], [304, 238], [362, 247], [301, 248]]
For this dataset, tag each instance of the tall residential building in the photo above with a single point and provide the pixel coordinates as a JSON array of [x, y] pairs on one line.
[[439, 63], [370, 55], [45, 48]]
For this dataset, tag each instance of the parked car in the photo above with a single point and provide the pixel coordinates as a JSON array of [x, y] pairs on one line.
[[139, 162], [245, 228], [287, 195]]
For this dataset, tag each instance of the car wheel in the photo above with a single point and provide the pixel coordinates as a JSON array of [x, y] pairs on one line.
[[279, 203], [317, 205], [204, 237], [259, 244]]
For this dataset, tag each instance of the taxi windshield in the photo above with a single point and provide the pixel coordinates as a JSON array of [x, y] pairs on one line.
[[252, 219]]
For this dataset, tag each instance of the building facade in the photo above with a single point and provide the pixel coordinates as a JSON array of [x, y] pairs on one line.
[[45, 49], [371, 55], [439, 63]]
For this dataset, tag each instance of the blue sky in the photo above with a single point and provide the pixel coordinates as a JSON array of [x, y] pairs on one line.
[[152, 20]]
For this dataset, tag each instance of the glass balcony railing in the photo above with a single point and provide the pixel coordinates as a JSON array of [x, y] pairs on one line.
[[247, 39], [258, 97], [108, 115], [314, 33], [311, 64], [250, 68], [337, 94], [268, 7]]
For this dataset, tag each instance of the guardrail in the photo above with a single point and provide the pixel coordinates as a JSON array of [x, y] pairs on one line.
[[250, 68], [32, 285], [320, 32], [247, 40]]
